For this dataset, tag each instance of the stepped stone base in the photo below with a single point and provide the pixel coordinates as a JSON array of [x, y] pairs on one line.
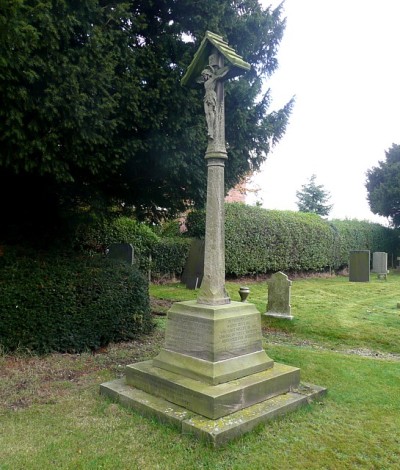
[[212, 401], [213, 377], [216, 431]]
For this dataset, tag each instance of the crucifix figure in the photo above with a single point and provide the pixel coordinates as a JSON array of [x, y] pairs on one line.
[[209, 77]]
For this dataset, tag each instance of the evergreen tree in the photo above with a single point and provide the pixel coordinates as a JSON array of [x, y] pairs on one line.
[[93, 111], [383, 186], [313, 198]]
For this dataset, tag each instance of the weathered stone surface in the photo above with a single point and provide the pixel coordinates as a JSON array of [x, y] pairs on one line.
[[145, 403], [213, 343], [359, 266], [279, 291], [379, 263], [211, 42], [216, 431], [212, 401], [212, 291]]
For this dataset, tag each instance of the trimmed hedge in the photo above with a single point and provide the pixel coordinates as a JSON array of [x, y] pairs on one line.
[[70, 304], [96, 235], [169, 256], [259, 241], [362, 235]]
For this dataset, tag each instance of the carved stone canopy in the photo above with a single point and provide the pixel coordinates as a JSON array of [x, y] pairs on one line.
[[210, 42]]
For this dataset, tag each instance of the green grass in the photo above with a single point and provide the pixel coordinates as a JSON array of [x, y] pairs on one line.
[[345, 336], [330, 312]]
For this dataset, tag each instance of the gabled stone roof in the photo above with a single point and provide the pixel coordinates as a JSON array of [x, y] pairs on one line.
[[200, 60]]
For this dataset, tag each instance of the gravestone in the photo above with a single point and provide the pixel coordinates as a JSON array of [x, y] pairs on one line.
[[379, 264], [213, 378], [194, 267], [279, 290], [359, 266], [121, 251]]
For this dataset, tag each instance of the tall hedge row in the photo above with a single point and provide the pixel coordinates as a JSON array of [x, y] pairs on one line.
[[51, 302], [259, 241]]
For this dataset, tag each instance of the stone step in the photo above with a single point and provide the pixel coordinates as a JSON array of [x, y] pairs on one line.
[[216, 431], [212, 401]]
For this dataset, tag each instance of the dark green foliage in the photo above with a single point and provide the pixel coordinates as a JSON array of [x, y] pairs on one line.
[[362, 235], [70, 304], [313, 198], [170, 229], [196, 223], [169, 256], [260, 241], [95, 235], [92, 107], [383, 186]]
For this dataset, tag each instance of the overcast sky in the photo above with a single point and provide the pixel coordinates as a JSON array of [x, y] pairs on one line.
[[341, 60]]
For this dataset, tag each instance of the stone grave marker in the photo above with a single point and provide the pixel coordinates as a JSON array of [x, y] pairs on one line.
[[379, 264], [193, 271], [121, 251], [279, 290], [359, 266]]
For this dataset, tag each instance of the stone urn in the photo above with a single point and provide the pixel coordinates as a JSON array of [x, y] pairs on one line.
[[244, 293]]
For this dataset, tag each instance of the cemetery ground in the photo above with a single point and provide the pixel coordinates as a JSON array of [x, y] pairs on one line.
[[344, 336]]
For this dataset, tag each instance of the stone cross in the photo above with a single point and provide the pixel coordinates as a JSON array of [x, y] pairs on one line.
[[213, 63]]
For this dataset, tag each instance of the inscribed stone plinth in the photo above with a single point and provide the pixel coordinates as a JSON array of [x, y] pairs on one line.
[[379, 263], [359, 266], [194, 267], [121, 251], [279, 290], [213, 344]]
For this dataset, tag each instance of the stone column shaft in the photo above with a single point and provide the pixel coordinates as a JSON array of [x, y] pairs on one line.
[[212, 291]]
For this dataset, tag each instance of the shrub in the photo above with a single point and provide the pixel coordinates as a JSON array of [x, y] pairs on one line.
[[96, 235], [196, 224], [169, 256], [169, 229], [70, 304]]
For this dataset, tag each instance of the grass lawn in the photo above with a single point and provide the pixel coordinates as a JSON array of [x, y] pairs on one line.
[[344, 336]]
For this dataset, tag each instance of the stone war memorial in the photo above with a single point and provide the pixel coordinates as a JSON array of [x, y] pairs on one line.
[[212, 378]]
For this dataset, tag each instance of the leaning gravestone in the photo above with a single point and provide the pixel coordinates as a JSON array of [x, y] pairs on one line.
[[279, 289], [359, 266], [121, 251], [213, 378], [193, 271], [379, 264]]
